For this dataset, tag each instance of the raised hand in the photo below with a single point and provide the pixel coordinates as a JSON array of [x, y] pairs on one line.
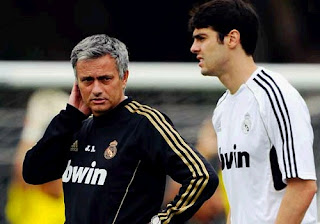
[[76, 100]]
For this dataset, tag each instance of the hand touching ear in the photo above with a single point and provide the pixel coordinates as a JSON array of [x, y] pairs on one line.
[[76, 101]]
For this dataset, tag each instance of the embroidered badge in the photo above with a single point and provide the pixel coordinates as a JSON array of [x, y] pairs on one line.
[[111, 151], [246, 124], [74, 146]]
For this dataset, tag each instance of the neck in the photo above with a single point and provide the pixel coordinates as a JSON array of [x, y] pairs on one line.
[[237, 72]]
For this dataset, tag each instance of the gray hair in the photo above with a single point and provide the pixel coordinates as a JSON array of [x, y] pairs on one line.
[[99, 45]]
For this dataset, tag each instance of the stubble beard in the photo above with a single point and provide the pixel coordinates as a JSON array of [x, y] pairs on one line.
[[206, 72]]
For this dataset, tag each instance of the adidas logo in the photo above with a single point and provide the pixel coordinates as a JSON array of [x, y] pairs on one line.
[[74, 146]]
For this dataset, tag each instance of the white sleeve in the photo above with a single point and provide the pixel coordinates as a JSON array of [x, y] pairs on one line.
[[290, 131]]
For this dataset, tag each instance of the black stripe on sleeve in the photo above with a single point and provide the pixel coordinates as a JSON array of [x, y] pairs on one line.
[[288, 116], [284, 115], [278, 121]]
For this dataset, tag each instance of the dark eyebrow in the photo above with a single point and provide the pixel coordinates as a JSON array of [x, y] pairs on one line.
[[86, 78], [197, 36], [99, 77]]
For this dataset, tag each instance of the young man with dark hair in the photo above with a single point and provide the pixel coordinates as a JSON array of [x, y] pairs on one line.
[[263, 127]]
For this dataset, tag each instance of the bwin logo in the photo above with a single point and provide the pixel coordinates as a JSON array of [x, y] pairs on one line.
[[87, 175], [239, 159]]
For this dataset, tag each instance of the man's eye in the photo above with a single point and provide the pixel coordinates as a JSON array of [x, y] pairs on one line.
[[87, 80], [105, 78]]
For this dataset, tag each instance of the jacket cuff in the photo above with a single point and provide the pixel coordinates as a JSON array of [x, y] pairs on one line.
[[75, 113]]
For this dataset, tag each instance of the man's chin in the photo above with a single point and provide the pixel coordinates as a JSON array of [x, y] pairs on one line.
[[205, 72], [100, 110]]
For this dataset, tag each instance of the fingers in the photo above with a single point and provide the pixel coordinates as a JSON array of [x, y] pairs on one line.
[[76, 100], [75, 95]]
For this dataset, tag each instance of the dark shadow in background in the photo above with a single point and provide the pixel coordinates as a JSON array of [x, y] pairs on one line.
[[152, 30]]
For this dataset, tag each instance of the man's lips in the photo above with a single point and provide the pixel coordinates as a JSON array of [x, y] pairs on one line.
[[200, 60], [98, 100]]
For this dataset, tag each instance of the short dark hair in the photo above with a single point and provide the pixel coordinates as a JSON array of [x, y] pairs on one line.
[[223, 16]]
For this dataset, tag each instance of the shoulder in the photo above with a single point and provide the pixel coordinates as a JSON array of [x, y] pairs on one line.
[[147, 113], [269, 83], [271, 88], [275, 95]]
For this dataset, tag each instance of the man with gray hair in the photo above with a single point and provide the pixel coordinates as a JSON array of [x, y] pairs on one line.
[[114, 164]]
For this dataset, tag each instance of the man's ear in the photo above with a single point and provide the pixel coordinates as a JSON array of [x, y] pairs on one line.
[[125, 79], [233, 38]]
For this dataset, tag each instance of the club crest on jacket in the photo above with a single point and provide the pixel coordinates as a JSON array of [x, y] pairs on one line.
[[111, 151]]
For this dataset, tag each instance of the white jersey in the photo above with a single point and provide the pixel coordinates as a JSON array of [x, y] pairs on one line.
[[264, 137]]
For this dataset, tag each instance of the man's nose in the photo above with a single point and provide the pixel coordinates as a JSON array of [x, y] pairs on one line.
[[97, 88], [194, 48]]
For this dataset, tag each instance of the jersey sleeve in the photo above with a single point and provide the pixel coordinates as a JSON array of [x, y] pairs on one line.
[[46, 161], [290, 131], [182, 163]]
